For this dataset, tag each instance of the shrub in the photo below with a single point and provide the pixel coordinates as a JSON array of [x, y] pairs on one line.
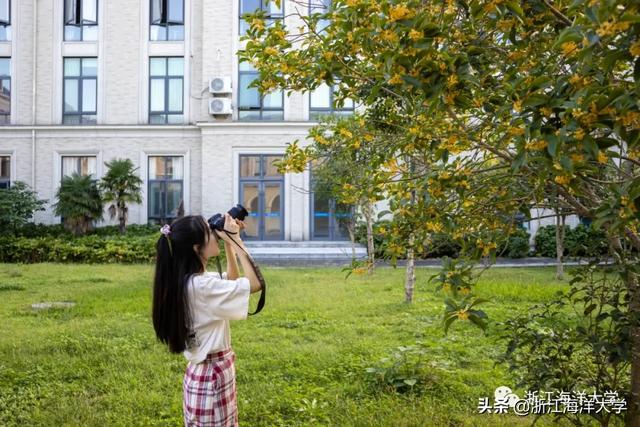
[[586, 241], [441, 244], [582, 240], [17, 206], [86, 249], [517, 245], [545, 240], [79, 203]]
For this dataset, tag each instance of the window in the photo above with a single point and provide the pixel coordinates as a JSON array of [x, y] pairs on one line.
[[166, 20], [5, 90], [273, 12], [5, 20], [80, 91], [82, 165], [321, 103], [5, 171], [320, 7], [81, 20], [251, 105], [585, 221], [165, 187], [165, 90]]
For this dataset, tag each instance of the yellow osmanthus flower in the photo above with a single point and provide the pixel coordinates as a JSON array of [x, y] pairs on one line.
[[536, 145], [414, 130], [631, 118], [562, 179], [635, 48], [579, 135], [368, 137], [346, 133], [515, 131], [602, 158], [352, 3], [389, 36], [577, 158], [399, 12], [517, 105], [452, 80], [467, 204], [575, 80], [415, 35], [257, 23], [546, 111], [396, 79], [446, 287], [465, 291], [569, 48], [270, 50], [328, 55]]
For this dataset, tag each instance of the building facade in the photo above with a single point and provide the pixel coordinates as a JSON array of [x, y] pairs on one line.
[[86, 81], [159, 82]]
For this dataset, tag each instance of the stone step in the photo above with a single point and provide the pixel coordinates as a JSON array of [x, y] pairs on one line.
[[307, 251]]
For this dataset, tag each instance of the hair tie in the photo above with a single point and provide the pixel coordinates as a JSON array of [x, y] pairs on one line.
[[166, 230]]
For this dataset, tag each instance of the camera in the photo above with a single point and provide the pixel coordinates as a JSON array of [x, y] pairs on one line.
[[216, 222]]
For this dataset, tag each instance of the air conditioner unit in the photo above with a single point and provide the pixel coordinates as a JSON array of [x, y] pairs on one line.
[[220, 85], [220, 106]]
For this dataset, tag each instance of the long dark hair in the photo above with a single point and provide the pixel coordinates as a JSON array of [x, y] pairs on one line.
[[174, 265]]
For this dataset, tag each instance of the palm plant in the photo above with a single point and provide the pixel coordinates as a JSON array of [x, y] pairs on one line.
[[121, 185], [79, 203]]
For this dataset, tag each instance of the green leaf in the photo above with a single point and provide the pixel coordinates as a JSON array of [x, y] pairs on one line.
[[410, 382], [515, 8], [552, 145], [570, 34]]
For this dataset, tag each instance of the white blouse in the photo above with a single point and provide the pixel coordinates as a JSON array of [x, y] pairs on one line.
[[214, 301]]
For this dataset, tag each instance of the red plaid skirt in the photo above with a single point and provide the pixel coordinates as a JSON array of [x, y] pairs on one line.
[[210, 391]]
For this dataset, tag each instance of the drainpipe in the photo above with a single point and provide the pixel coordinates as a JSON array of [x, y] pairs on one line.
[[33, 97]]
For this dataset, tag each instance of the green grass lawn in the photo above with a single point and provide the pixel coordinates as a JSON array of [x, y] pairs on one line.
[[302, 361]]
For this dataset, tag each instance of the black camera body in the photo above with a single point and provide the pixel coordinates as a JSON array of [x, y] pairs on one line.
[[216, 222]]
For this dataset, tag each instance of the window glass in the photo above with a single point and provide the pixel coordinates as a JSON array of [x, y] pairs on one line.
[[89, 95], [71, 95], [249, 97], [5, 167], [71, 67], [5, 67], [90, 33], [157, 66], [175, 95], [174, 11], [89, 11], [157, 95], [5, 16], [321, 97], [176, 66], [89, 67]]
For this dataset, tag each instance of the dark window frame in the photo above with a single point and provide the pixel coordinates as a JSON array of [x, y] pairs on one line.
[[79, 21], [80, 113], [5, 183], [166, 112], [5, 118], [164, 20], [321, 111], [264, 7], [261, 108], [163, 183]]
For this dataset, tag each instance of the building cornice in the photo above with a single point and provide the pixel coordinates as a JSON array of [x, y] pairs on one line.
[[265, 128]]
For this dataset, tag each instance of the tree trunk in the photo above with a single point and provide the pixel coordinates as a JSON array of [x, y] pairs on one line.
[[560, 220], [371, 254], [410, 277], [633, 406], [121, 218]]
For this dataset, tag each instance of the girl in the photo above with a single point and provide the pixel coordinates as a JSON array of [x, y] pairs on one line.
[[191, 312]]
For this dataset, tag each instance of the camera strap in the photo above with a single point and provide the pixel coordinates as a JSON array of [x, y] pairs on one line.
[[256, 269]]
